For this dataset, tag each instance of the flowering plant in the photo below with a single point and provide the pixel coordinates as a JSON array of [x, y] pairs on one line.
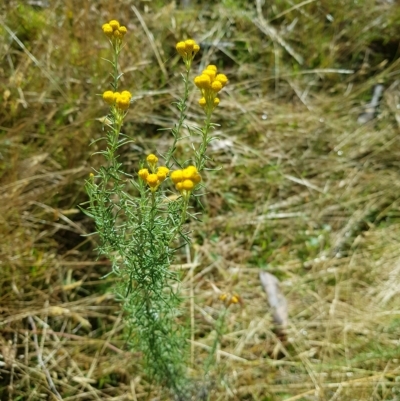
[[140, 228]]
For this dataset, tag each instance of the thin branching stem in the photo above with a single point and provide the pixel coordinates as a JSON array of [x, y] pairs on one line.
[[176, 131], [201, 157]]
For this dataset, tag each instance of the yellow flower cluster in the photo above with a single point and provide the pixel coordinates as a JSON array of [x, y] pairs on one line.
[[120, 99], [152, 161], [210, 83], [229, 299], [187, 50], [156, 175], [114, 30], [185, 180]]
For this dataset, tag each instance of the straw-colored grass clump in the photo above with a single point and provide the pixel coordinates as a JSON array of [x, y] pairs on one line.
[[304, 192]]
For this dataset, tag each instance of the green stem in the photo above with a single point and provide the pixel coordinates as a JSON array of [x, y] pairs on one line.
[[184, 211], [177, 228], [182, 116], [116, 54], [153, 208], [113, 143], [201, 154], [218, 329]]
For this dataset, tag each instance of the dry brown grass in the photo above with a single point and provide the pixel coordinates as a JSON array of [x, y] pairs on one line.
[[303, 192]]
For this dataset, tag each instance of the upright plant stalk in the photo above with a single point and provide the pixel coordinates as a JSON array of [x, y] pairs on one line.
[[201, 154], [182, 106], [139, 233]]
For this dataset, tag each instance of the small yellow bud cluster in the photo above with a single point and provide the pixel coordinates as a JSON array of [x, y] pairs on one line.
[[185, 180], [156, 175], [152, 161], [229, 299], [121, 100], [114, 30], [210, 83], [187, 50]]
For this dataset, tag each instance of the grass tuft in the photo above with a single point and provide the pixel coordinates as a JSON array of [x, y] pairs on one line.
[[301, 190]]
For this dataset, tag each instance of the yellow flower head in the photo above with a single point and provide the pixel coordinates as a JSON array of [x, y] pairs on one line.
[[212, 67], [114, 24], [108, 97], [153, 181], [222, 78], [196, 178], [122, 30], [189, 172], [210, 84], [108, 30], [176, 176], [162, 172], [143, 173], [223, 296], [187, 50], [181, 48], [216, 86], [235, 299], [203, 81], [189, 45], [211, 73], [230, 299], [187, 185], [152, 159], [152, 162], [126, 93], [123, 102], [163, 169], [115, 32], [185, 180]]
